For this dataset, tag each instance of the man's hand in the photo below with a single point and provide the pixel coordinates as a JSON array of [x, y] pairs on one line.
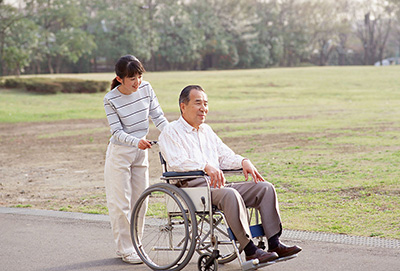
[[248, 167], [216, 175], [144, 144]]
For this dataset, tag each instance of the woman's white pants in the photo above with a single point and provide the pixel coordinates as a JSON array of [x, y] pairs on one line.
[[126, 176]]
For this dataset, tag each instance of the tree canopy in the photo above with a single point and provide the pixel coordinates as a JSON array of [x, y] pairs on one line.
[[54, 36]]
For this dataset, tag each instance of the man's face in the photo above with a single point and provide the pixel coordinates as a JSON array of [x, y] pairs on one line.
[[196, 110]]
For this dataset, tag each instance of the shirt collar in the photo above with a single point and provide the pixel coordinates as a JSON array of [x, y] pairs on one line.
[[188, 128]]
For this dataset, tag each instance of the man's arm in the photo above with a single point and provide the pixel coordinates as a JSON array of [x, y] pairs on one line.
[[229, 160], [248, 167], [216, 175]]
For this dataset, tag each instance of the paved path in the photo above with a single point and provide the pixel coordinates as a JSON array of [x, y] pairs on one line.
[[58, 241]]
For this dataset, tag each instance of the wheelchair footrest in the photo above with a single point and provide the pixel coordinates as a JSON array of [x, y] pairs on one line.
[[254, 264], [256, 231], [285, 258]]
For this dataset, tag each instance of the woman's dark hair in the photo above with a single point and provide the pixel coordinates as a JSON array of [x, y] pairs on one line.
[[127, 66], [185, 94]]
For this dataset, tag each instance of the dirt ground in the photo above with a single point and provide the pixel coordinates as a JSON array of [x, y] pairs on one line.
[[44, 171], [59, 165]]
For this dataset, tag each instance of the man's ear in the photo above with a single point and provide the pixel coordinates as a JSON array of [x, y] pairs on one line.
[[119, 79], [182, 107]]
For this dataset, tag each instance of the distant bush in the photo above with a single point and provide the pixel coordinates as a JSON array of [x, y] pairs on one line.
[[13, 83], [58, 85], [43, 87], [82, 86]]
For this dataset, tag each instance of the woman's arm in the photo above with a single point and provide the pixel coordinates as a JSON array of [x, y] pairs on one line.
[[155, 111], [116, 126]]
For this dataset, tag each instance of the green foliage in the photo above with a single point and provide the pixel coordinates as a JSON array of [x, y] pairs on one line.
[[225, 27], [14, 83], [60, 32], [180, 39], [121, 27], [20, 43], [16, 39], [58, 85], [82, 86], [23, 206], [83, 35], [43, 87]]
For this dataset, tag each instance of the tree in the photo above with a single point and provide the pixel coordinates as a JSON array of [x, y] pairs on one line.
[[118, 29], [269, 37], [395, 37], [180, 39], [322, 27], [343, 30], [373, 31], [293, 30], [60, 31], [9, 16], [149, 29], [215, 38], [20, 45], [226, 27]]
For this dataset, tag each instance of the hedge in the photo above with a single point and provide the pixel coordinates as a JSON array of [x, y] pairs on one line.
[[13, 83], [43, 87], [53, 86]]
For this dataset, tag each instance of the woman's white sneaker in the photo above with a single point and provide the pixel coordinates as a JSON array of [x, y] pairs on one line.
[[132, 258]]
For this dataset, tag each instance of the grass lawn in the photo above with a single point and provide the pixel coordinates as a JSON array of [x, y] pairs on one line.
[[327, 137]]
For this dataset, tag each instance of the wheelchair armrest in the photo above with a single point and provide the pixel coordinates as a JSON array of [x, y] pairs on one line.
[[174, 174], [188, 174], [232, 171]]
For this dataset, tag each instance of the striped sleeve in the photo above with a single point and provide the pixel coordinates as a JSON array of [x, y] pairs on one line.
[[116, 126], [155, 111]]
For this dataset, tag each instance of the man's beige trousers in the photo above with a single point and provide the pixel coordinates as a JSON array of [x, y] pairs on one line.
[[233, 200]]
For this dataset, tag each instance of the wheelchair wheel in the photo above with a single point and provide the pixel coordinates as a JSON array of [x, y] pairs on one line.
[[225, 246], [202, 263], [163, 228]]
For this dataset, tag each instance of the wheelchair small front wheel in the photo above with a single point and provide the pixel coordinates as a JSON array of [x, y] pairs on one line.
[[225, 245], [205, 263]]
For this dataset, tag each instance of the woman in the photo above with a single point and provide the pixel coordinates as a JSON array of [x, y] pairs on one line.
[[128, 106]]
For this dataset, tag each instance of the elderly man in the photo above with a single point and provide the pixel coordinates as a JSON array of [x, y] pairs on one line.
[[189, 144]]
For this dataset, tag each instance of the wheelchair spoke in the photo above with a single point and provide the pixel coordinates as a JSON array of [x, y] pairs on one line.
[[225, 247], [164, 241]]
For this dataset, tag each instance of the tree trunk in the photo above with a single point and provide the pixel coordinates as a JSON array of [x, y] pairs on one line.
[[341, 56], [58, 64], [49, 65]]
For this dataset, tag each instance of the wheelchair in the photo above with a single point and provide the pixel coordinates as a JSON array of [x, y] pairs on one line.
[[169, 224]]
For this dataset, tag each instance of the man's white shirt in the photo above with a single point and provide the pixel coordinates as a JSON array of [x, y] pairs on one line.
[[186, 148]]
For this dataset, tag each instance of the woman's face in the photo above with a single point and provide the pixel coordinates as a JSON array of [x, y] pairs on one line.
[[130, 84]]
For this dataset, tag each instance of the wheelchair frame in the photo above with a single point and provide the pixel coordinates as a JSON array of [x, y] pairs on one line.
[[178, 233]]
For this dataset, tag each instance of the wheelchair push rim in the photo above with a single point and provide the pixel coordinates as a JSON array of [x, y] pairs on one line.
[[167, 239]]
